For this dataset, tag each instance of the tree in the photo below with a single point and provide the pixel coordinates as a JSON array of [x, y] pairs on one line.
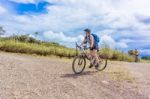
[[135, 54], [131, 52], [2, 31]]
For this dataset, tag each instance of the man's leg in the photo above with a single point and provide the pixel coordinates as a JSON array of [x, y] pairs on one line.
[[91, 55], [96, 56]]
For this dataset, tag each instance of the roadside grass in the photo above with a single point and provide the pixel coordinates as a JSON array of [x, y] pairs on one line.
[[28, 45], [145, 61], [118, 72], [38, 49], [116, 54]]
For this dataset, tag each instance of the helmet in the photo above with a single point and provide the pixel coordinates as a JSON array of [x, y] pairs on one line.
[[87, 30]]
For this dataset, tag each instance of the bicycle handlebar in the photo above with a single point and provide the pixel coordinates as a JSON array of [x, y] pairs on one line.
[[82, 47]]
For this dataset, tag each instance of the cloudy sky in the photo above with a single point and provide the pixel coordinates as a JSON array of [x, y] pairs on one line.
[[123, 24]]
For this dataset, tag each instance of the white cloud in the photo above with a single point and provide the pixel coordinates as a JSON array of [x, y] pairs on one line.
[[62, 38], [2, 10], [145, 52], [121, 45], [72, 14], [127, 40], [106, 39]]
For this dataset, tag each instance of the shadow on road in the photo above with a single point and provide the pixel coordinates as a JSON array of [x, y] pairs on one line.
[[77, 75]]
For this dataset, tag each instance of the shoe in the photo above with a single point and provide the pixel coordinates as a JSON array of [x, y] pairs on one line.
[[97, 65], [90, 66]]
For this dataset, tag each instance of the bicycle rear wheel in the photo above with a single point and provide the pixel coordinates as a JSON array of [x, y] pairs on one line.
[[78, 64], [102, 64]]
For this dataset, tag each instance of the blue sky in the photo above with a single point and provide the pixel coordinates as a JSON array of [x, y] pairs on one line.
[[123, 24], [30, 8]]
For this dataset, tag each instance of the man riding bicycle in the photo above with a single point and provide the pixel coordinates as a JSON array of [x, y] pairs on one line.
[[92, 40]]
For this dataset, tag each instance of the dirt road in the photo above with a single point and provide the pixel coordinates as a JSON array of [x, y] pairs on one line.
[[34, 77], [141, 73]]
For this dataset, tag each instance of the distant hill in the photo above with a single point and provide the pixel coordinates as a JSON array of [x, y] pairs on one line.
[[146, 57]]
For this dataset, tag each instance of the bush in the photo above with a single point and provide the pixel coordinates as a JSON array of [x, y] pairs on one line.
[[24, 38]]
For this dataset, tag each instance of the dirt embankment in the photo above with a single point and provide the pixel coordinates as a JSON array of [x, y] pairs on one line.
[[32, 77]]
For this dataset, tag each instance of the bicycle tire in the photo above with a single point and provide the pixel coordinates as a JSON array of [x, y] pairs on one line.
[[73, 64], [104, 66]]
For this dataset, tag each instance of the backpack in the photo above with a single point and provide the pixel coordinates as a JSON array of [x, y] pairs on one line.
[[96, 39]]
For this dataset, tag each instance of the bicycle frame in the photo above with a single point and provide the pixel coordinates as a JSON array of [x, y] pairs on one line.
[[83, 51]]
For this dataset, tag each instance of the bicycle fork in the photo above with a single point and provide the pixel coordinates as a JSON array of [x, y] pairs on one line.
[[80, 62]]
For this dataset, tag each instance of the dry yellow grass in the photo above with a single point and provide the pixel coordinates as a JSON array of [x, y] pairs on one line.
[[117, 71]]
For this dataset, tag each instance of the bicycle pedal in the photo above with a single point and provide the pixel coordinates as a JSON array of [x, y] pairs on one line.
[[90, 66]]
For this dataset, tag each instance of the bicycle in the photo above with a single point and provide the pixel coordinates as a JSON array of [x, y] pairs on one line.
[[83, 56]]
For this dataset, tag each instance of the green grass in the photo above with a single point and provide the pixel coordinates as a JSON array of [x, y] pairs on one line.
[[145, 61], [31, 48], [116, 55], [48, 48]]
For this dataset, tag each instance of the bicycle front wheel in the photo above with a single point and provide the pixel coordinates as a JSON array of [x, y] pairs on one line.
[[78, 64]]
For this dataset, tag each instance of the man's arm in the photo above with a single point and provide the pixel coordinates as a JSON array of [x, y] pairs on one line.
[[91, 41], [84, 40]]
